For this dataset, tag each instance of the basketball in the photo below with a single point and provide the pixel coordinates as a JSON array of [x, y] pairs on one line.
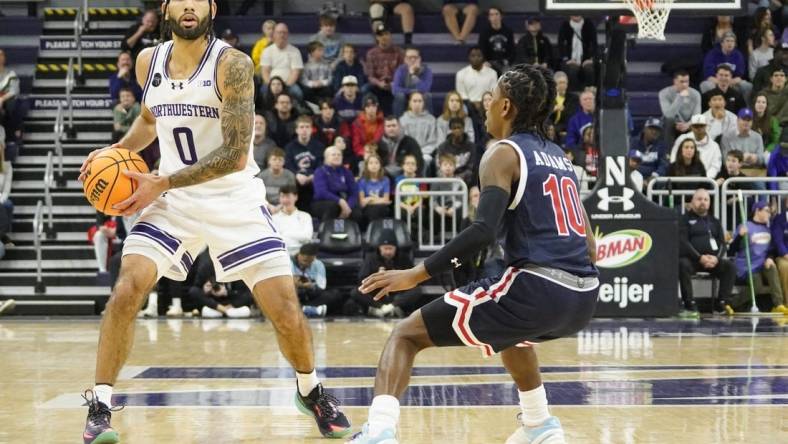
[[105, 183]]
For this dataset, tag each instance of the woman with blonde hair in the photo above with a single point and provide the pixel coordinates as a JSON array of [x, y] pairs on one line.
[[453, 107]]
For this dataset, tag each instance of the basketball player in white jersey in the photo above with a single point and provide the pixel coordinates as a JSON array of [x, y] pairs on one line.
[[198, 100]]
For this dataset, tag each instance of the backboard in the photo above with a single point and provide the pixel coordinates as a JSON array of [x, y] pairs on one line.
[[596, 7]]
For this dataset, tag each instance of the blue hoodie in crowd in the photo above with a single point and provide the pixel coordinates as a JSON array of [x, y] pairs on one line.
[[777, 167], [654, 156], [716, 57]]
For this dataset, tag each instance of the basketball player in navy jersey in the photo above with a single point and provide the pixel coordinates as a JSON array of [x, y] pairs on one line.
[[198, 100], [529, 200]]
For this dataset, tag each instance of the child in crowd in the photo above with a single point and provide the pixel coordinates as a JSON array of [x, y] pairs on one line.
[[374, 190], [447, 206], [349, 66], [316, 78], [331, 40], [327, 123], [275, 177]]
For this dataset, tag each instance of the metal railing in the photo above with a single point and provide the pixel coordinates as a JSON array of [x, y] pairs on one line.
[[70, 84], [729, 216], [459, 190], [665, 193], [58, 133], [38, 228], [48, 185], [80, 24]]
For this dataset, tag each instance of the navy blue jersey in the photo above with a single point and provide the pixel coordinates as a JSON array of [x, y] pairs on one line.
[[544, 224]]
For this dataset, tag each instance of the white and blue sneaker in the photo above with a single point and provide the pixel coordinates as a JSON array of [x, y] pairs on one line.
[[549, 432], [387, 436]]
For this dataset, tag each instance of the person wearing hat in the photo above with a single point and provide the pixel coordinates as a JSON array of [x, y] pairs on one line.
[[635, 159], [309, 276], [348, 103], [708, 149], [678, 102], [747, 141], [368, 126], [348, 66], [653, 152], [229, 37], [726, 54], [381, 62], [534, 47], [761, 261], [778, 163], [387, 256], [720, 120], [379, 10]]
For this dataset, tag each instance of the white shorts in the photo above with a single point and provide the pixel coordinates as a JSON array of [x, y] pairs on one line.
[[238, 235]]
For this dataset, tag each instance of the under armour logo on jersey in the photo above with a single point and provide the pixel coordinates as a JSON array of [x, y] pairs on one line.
[[178, 84], [456, 262], [624, 199]]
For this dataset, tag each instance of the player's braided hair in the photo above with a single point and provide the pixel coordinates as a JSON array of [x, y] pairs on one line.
[[532, 90], [164, 25]]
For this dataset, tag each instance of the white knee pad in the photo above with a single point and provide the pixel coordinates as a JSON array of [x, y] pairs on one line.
[[376, 11]]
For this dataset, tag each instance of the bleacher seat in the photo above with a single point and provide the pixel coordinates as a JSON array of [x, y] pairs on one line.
[[339, 236], [375, 231]]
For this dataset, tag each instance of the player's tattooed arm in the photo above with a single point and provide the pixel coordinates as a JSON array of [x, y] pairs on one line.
[[237, 88]]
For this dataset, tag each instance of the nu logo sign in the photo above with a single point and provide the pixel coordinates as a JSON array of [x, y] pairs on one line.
[[615, 176]]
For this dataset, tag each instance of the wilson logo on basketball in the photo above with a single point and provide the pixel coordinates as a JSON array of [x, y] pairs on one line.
[[95, 195], [622, 248]]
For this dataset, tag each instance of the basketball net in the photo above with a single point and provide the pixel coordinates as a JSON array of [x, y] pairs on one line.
[[652, 16]]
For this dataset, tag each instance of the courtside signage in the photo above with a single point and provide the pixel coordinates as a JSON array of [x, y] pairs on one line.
[[622, 248]]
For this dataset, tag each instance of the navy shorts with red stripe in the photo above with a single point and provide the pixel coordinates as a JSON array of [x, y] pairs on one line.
[[520, 307]]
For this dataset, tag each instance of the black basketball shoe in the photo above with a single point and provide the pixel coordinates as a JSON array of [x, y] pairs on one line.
[[325, 409], [97, 427]]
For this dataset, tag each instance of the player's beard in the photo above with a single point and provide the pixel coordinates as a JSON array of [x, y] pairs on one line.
[[189, 34]]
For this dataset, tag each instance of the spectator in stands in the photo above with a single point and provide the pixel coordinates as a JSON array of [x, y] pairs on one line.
[[761, 55], [283, 60], [303, 155], [6, 205], [267, 99], [778, 163], [734, 101], [294, 225], [776, 94], [410, 170], [347, 102], [721, 121], [452, 107], [316, 77], [678, 102], [470, 12], [745, 140], [261, 143], [349, 66], [458, 145], [142, 34], [411, 76], [446, 207], [387, 256], [309, 275], [380, 9], [276, 177], [780, 61], [231, 38], [398, 144], [374, 190], [102, 235], [761, 22], [726, 54], [381, 63], [336, 193], [652, 149], [732, 168], [331, 40], [476, 78], [577, 48], [779, 229], [765, 124], [124, 78], [421, 126], [634, 159], [582, 117], [262, 43], [281, 120], [588, 152], [124, 113], [564, 105], [218, 299], [497, 41], [688, 162], [759, 260], [534, 47], [702, 248], [327, 122], [707, 149], [368, 126], [9, 91], [713, 35]]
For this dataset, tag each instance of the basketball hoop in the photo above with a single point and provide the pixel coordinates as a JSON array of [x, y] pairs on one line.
[[652, 16]]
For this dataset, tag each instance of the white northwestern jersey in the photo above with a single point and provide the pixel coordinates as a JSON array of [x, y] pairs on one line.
[[188, 123]]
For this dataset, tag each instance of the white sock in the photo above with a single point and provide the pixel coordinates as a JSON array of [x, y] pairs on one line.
[[533, 404], [306, 382], [383, 414], [153, 301], [176, 303], [104, 394]]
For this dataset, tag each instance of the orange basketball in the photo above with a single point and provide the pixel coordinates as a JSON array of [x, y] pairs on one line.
[[105, 183]]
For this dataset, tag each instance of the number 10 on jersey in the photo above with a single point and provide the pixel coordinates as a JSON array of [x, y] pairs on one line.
[[566, 205]]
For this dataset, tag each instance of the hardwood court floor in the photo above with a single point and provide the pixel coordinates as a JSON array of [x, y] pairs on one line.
[[191, 381]]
